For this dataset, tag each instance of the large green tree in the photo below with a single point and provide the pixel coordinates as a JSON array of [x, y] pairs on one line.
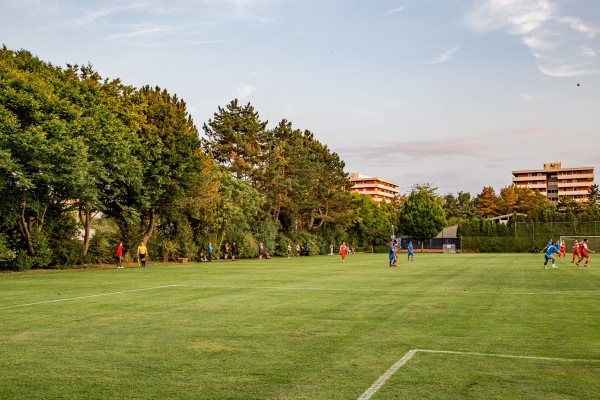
[[50, 163], [170, 152], [115, 171], [235, 137], [422, 215]]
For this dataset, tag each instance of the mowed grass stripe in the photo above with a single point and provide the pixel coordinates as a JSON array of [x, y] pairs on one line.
[[308, 328]]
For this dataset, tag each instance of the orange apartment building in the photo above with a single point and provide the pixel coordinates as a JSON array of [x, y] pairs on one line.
[[378, 189], [556, 182]]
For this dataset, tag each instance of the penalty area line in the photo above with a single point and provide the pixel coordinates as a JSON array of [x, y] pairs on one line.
[[87, 297], [401, 362]]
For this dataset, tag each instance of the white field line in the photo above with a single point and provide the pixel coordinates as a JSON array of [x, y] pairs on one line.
[[86, 297], [383, 378], [466, 353], [387, 375], [324, 289]]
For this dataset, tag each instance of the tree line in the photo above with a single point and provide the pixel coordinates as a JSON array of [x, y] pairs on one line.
[[87, 161]]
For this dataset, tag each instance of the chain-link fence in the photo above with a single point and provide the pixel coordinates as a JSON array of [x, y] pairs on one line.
[[529, 236]]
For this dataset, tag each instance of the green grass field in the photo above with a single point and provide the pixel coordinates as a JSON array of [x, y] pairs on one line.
[[494, 326]]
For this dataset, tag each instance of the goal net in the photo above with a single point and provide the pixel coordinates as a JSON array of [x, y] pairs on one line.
[[593, 242]]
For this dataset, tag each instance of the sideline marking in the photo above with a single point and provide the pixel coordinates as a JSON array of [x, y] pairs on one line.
[[388, 374], [86, 297]]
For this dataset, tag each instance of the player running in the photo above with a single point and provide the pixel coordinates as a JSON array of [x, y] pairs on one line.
[[548, 255], [343, 251], [411, 254], [583, 253], [393, 254], [562, 251], [575, 250]]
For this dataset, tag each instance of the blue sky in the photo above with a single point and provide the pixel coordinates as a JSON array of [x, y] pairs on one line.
[[456, 93]]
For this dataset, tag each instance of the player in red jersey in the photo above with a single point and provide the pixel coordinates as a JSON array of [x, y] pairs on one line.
[[583, 253], [575, 250], [562, 249], [343, 251]]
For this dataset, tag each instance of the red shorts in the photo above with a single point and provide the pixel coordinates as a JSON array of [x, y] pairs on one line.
[[584, 254]]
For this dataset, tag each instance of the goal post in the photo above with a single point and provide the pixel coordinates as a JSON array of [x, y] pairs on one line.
[[593, 242]]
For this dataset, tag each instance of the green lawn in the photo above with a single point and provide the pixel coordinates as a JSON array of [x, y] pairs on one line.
[[495, 326]]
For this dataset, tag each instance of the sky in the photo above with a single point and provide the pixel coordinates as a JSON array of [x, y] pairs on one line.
[[452, 93]]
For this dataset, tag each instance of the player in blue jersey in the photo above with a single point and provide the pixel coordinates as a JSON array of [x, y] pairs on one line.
[[411, 254], [393, 254], [548, 255]]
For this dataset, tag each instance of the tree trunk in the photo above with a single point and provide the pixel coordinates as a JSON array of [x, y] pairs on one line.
[[26, 233], [150, 228], [85, 216]]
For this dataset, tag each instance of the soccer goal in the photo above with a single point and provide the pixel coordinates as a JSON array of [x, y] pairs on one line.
[[449, 249], [593, 242]]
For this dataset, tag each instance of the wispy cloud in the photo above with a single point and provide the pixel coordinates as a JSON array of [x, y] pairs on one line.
[[394, 11], [419, 149], [89, 17], [562, 45], [535, 97], [243, 91], [445, 56], [244, 10]]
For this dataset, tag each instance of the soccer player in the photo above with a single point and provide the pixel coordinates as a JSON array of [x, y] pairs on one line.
[[343, 251], [575, 250], [550, 244], [562, 251], [583, 253], [411, 254], [393, 254], [548, 255]]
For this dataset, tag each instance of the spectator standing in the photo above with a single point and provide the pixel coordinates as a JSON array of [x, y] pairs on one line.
[[119, 255], [226, 248], [233, 251]]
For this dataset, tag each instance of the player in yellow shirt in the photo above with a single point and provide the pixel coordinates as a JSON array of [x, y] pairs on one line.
[[142, 253]]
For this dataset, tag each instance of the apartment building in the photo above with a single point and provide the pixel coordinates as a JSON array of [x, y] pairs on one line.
[[378, 189], [556, 182]]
